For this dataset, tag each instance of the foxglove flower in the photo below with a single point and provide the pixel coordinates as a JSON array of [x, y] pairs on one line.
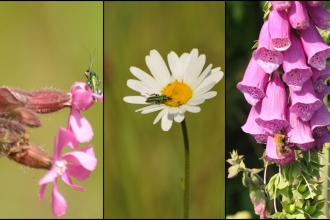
[[265, 55], [273, 107], [320, 16], [78, 164], [182, 91], [298, 15], [280, 5], [273, 155], [254, 83], [294, 65], [279, 30]]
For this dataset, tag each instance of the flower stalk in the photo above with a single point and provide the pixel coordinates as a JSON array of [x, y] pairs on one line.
[[186, 173]]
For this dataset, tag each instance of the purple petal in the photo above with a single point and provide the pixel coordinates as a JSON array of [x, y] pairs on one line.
[[41, 192], [66, 138], [251, 127], [82, 98], [273, 107], [58, 202], [314, 3], [294, 65], [320, 16], [319, 78], [273, 155], [80, 127], [280, 5], [68, 181], [304, 102], [87, 161], [316, 50], [50, 176], [322, 140], [78, 172], [320, 118], [279, 30], [265, 55], [299, 132], [298, 16], [254, 82]]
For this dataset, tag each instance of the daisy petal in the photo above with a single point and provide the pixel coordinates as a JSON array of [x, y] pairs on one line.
[[196, 101], [135, 99], [193, 109], [179, 118], [140, 86], [149, 107], [154, 109], [203, 88], [192, 59], [146, 78], [196, 69], [175, 65], [160, 115], [204, 74], [162, 68], [209, 95], [167, 121]]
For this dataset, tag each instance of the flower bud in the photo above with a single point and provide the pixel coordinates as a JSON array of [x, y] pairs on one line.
[[8, 100], [26, 117]]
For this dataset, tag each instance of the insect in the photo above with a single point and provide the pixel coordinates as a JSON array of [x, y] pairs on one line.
[[282, 144], [159, 99], [93, 81]]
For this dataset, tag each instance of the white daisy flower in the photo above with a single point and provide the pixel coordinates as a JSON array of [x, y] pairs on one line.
[[173, 94]]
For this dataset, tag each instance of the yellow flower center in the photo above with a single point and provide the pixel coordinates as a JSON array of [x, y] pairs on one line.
[[178, 93]]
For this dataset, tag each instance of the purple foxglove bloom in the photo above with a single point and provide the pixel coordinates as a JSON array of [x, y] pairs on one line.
[[279, 30], [316, 50], [298, 16], [319, 78], [280, 5], [304, 102], [299, 132], [325, 138], [294, 65], [320, 16], [315, 3], [254, 82], [273, 155], [265, 55], [273, 106], [251, 127], [321, 118]]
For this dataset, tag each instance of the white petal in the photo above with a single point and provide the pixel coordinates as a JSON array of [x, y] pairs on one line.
[[158, 68], [196, 69], [196, 100], [179, 118], [184, 59], [192, 59], [203, 89], [148, 107], [140, 86], [160, 115], [154, 71], [167, 121], [212, 79], [146, 78], [219, 74], [157, 108], [193, 109], [175, 65], [209, 95], [173, 110], [135, 99], [204, 74], [183, 109]]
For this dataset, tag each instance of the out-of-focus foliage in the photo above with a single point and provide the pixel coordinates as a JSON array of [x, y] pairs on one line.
[[143, 164], [41, 47]]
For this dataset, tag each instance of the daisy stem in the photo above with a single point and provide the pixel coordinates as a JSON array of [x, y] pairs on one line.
[[186, 175]]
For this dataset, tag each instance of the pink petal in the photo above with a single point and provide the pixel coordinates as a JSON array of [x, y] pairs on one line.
[[87, 161], [280, 5], [78, 172], [322, 140], [279, 30], [50, 176], [66, 138], [320, 16], [319, 78], [82, 98], [80, 127], [298, 15], [99, 97], [58, 202], [68, 181], [41, 192], [320, 118]]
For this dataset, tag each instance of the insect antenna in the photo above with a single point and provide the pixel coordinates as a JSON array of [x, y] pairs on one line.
[[91, 59]]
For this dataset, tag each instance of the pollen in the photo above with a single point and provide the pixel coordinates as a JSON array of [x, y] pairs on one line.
[[179, 93]]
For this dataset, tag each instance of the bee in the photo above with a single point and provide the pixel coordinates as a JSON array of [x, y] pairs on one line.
[[282, 144]]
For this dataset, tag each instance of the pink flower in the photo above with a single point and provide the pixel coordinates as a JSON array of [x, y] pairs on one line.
[[315, 48], [280, 5], [272, 154], [298, 15], [82, 99], [265, 55], [273, 107], [320, 16], [254, 82], [78, 164], [294, 65], [279, 30]]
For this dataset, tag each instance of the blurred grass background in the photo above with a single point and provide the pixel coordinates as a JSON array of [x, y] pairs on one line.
[[41, 47], [144, 164], [243, 24]]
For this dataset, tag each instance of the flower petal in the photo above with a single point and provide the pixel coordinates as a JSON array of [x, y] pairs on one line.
[[193, 109], [196, 69], [175, 65], [145, 78], [50, 176], [59, 205], [135, 99], [167, 121], [80, 127], [160, 115]]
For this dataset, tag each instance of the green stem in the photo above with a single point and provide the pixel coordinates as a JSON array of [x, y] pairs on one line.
[[186, 174]]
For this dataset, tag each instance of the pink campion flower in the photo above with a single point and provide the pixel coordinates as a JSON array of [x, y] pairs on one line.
[[298, 15], [304, 102], [82, 99], [78, 164], [251, 127], [314, 3], [315, 48], [280, 5], [279, 30], [254, 82], [320, 16], [273, 106], [273, 155], [294, 65], [299, 132], [265, 55]]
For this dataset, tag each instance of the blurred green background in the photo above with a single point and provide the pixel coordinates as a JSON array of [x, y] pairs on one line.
[[41, 47], [144, 164], [243, 24]]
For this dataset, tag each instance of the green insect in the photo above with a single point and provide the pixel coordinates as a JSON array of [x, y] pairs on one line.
[[93, 81], [159, 99]]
